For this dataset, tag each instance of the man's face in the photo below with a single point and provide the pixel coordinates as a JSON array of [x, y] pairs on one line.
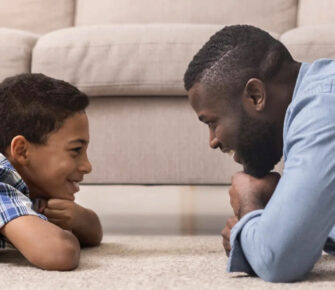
[[232, 130], [55, 169]]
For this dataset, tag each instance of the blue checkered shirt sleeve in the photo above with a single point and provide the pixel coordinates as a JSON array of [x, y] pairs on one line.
[[14, 200]]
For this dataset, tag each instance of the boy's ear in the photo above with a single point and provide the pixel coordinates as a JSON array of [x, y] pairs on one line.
[[254, 95], [19, 149]]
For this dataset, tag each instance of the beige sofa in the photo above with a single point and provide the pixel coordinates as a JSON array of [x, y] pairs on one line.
[[129, 56]]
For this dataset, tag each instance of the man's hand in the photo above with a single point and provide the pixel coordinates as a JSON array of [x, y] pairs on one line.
[[226, 233], [248, 193], [64, 213]]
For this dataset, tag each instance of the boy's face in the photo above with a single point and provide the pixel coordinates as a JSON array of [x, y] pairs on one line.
[[55, 169]]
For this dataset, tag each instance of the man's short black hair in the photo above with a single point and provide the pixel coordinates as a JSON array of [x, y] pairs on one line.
[[34, 105], [235, 54]]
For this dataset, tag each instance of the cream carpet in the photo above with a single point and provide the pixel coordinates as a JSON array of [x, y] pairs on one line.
[[151, 262]]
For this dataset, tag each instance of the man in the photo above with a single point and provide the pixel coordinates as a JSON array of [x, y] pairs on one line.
[[261, 103]]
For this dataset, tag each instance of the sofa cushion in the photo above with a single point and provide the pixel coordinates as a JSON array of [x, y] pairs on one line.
[[122, 59], [276, 15], [15, 51], [312, 12], [152, 141], [311, 42], [38, 16]]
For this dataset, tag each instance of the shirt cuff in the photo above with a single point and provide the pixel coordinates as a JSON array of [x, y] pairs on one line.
[[329, 246], [237, 261]]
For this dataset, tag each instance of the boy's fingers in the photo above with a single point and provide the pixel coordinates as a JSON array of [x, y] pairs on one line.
[[57, 203], [54, 221], [53, 213]]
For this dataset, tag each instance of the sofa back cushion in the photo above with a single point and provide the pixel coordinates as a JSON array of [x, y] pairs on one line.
[[312, 12], [275, 15], [38, 16]]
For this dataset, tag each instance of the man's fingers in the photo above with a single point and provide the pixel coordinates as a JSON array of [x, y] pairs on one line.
[[233, 201], [226, 234], [226, 239], [232, 221]]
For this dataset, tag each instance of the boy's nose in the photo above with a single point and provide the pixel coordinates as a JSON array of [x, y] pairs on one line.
[[85, 166]]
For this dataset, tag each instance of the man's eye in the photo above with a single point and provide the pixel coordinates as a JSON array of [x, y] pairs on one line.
[[77, 149], [211, 125]]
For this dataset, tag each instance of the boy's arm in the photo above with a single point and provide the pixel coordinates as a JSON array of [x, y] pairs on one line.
[[83, 222], [42, 243]]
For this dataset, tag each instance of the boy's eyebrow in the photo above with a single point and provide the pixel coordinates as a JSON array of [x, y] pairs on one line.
[[82, 141]]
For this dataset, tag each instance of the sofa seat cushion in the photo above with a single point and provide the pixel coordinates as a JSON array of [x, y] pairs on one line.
[[308, 43], [15, 51], [147, 59]]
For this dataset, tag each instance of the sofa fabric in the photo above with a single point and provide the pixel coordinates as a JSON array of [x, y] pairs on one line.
[[276, 15], [307, 43], [15, 51], [146, 139], [311, 12], [39, 16], [121, 59]]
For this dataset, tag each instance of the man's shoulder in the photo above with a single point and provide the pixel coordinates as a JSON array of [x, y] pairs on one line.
[[316, 77]]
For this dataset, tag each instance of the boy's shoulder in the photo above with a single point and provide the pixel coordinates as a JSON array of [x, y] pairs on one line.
[[14, 196], [8, 175]]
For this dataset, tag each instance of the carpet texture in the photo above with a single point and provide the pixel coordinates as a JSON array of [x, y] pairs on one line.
[[151, 262]]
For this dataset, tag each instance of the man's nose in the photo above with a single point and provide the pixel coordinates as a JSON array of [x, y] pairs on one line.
[[213, 141]]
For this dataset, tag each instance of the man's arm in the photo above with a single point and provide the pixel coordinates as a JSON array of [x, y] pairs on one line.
[[282, 242], [83, 222], [42, 243]]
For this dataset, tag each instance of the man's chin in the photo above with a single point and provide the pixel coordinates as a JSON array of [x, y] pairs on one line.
[[258, 173]]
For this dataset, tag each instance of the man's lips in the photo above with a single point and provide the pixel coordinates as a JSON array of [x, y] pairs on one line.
[[231, 152]]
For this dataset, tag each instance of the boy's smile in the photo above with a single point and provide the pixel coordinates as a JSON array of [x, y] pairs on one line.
[[54, 170]]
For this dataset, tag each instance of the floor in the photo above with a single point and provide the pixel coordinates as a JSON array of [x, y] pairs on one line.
[[158, 210]]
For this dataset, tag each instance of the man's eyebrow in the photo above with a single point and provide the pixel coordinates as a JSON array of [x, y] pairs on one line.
[[202, 118], [82, 141]]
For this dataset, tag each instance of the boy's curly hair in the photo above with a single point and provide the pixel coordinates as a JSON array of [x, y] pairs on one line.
[[34, 105]]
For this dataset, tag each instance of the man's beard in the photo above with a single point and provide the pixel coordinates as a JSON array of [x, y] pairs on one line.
[[256, 146]]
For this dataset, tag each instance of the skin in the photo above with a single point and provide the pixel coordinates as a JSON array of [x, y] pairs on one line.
[[50, 170], [262, 105]]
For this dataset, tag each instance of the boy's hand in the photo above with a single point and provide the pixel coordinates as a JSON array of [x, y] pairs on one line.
[[83, 222], [248, 193], [63, 213]]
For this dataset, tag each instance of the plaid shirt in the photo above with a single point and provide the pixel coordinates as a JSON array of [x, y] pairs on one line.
[[14, 196]]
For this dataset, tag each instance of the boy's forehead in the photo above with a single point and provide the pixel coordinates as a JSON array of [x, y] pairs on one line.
[[74, 129]]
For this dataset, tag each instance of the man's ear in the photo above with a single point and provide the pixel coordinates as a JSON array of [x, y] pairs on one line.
[[254, 95], [19, 149]]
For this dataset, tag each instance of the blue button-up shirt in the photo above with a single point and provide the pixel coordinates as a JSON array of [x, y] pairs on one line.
[[14, 196], [284, 241]]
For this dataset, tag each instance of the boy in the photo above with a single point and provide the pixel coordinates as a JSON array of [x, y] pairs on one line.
[[43, 157]]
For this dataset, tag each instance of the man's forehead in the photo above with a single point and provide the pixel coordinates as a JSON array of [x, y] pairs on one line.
[[202, 98]]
